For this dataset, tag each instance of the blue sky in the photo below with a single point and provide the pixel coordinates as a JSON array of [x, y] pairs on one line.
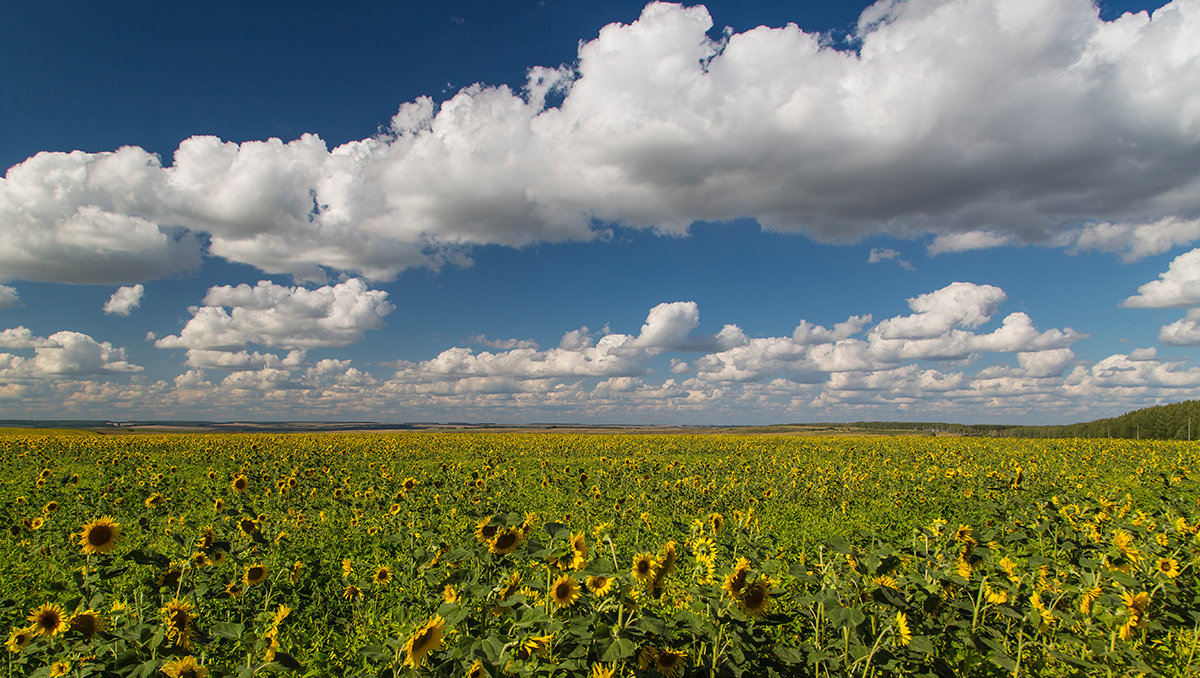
[[754, 212]]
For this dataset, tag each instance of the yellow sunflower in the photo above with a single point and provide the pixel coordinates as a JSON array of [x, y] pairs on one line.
[[578, 543], [565, 591], [903, 633], [184, 667], [248, 526], [485, 531], [506, 541], [240, 484], [254, 574], [755, 598], [425, 640], [351, 592], [647, 657], [599, 584], [511, 585], [100, 535], [476, 670], [644, 567], [602, 671], [383, 575], [1168, 567], [735, 581], [669, 663], [178, 615], [716, 522], [60, 668], [88, 623], [48, 620], [19, 638]]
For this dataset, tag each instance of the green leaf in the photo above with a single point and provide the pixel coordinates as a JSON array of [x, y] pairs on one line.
[[557, 530], [788, 655], [288, 661], [619, 649], [227, 630]]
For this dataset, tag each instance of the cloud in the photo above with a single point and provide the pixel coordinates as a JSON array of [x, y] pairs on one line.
[[879, 254], [124, 300], [969, 240], [62, 354], [1133, 241], [8, 297], [981, 122], [959, 304], [279, 316], [503, 344], [1178, 286]]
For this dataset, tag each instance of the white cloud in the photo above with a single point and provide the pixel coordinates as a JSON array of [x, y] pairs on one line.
[[279, 316], [879, 254], [959, 304], [62, 354], [1183, 332], [1179, 285], [503, 344], [969, 240], [8, 297], [972, 120], [124, 300], [1133, 241]]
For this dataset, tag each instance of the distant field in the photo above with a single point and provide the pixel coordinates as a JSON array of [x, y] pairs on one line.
[[486, 553]]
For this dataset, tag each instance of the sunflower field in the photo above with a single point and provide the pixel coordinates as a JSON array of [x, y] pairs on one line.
[[473, 554]]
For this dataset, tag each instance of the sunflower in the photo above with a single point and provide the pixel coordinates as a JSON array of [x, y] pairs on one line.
[[449, 595], [647, 656], [232, 590], [168, 577], [716, 522], [154, 500], [644, 567], [506, 541], [735, 581], [538, 646], [410, 484], [565, 591], [1168, 567], [36, 523], [60, 668], [382, 575], [184, 667], [578, 545], [87, 623], [425, 640], [669, 663], [602, 671], [248, 526], [19, 638], [206, 538], [240, 484], [599, 584], [178, 614], [476, 670], [351, 592], [50, 507], [255, 574], [903, 633], [219, 505], [485, 531], [100, 535], [668, 558], [510, 586], [48, 620], [755, 598]]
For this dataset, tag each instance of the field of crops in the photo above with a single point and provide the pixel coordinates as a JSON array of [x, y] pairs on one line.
[[476, 554]]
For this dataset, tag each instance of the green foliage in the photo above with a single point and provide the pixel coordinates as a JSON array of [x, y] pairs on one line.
[[543, 554]]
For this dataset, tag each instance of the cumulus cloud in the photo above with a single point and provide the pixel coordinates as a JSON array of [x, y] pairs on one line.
[[1178, 286], [8, 297], [280, 316], [959, 304], [503, 344], [981, 122], [62, 354], [124, 300]]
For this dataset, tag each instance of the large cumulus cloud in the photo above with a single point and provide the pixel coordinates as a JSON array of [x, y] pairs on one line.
[[983, 122]]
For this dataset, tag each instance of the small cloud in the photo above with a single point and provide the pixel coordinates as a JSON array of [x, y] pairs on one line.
[[8, 296], [502, 344], [879, 254], [124, 300], [971, 240]]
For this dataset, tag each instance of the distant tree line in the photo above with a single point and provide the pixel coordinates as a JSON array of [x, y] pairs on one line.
[[1177, 421]]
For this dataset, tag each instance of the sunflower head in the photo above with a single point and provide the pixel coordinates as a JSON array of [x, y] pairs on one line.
[[755, 598], [255, 574], [644, 567], [184, 667], [565, 591], [382, 575], [476, 670], [19, 638], [511, 585], [426, 639], [599, 584], [178, 617], [506, 541], [100, 535], [88, 623], [240, 484], [48, 620], [486, 530], [669, 663]]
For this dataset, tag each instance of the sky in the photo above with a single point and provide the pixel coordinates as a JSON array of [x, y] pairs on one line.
[[978, 211]]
